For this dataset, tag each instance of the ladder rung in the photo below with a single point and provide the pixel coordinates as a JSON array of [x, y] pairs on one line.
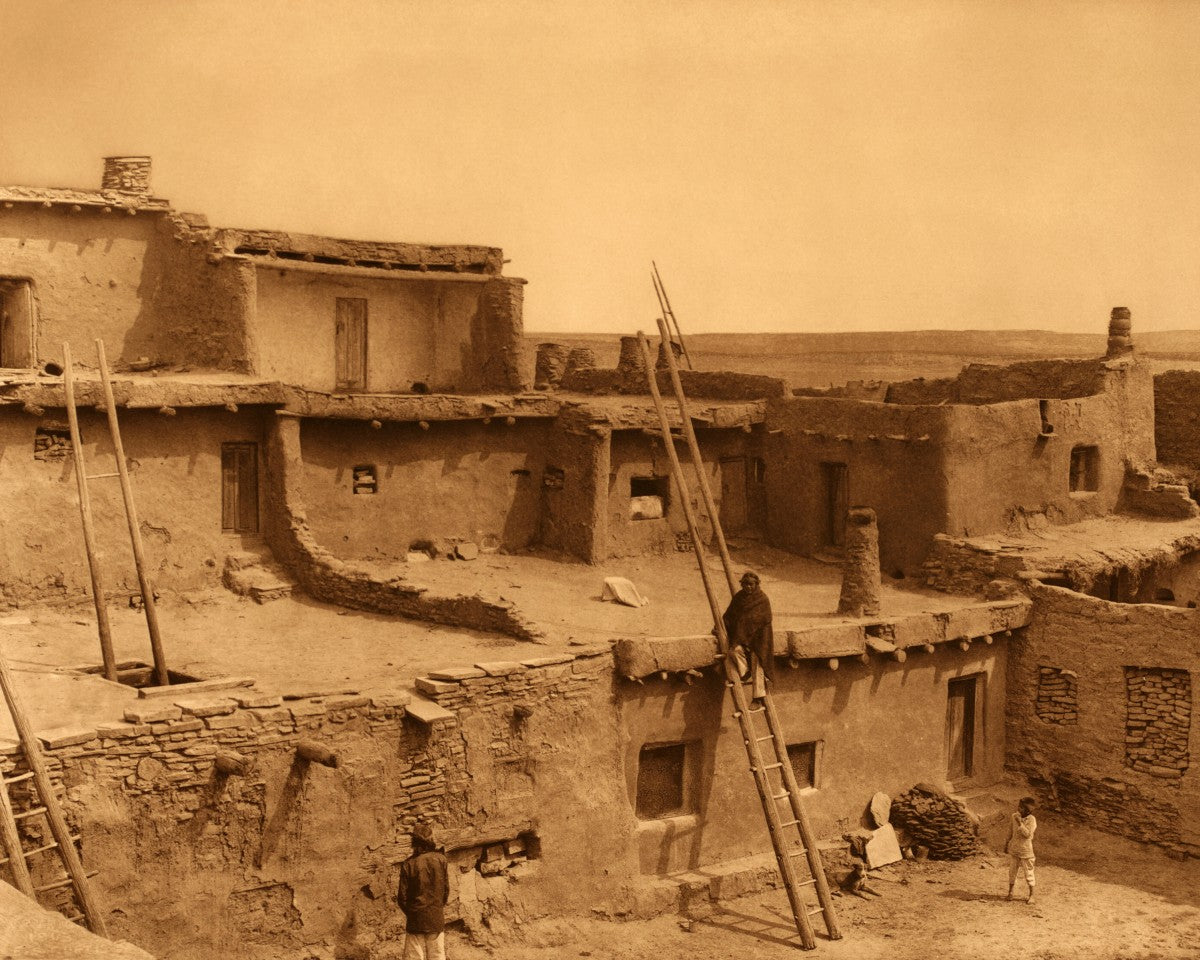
[[813, 913], [788, 823], [64, 882], [807, 883], [75, 917], [17, 779], [780, 796], [772, 766], [102, 476], [769, 736], [48, 846], [29, 813], [798, 853]]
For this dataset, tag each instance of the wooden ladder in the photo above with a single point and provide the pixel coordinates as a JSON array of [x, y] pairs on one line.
[[45, 804], [791, 834], [161, 675]]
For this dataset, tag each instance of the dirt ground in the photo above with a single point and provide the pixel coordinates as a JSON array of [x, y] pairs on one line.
[[1098, 898]]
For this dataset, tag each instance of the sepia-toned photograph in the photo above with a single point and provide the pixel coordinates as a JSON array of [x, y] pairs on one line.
[[613, 479]]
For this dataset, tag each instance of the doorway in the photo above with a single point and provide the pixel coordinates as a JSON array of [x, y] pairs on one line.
[[963, 700], [835, 496], [735, 500], [350, 343], [239, 488], [16, 323]]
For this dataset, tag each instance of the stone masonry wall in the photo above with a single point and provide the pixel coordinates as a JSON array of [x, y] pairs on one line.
[[1122, 766], [290, 853], [1177, 417]]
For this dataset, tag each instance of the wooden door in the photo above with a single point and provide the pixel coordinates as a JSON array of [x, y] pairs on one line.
[[16, 323], [239, 487], [350, 343], [960, 727], [836, 496], [735, 512]]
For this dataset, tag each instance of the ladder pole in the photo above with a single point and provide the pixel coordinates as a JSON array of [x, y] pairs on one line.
[[135, 533], [13, 847], [58, 824], [85, 513], [786, 868], [667, 301], [697, 461], [800, 815]]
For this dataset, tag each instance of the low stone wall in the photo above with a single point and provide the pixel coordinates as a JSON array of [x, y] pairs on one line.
[[293, 853], [1099, 714]]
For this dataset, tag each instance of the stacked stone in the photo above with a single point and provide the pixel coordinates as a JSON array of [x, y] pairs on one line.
[[1057, 695], [631, 367], [934, 820], [860, 566], [1158, 716], [551, 364]]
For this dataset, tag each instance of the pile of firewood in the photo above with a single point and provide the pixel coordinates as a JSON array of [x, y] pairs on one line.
[[935, 821]]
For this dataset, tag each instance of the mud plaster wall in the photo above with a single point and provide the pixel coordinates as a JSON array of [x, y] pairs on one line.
[[195, 865], [853, 712], [574, 512], [895, 465], [1083, 769], [1004, 474], [987, 383], [175, 471], [133, 281], [497, 350], [417, 331], [635, 454], [459, 480], [1177, 417]]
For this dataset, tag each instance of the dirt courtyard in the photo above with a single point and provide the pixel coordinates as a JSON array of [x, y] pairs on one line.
[[1099, 898]]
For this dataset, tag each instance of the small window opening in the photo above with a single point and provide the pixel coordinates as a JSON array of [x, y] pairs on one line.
[[649, 497], [51, 442], [1163, 595], [803, 757], [1085, 469], [660, 781], [366, 479], [520, 472], [553, 478], [420, 386]]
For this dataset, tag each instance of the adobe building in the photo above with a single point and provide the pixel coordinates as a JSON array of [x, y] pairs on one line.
[[346, 418]]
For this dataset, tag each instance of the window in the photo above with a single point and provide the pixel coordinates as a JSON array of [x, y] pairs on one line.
[[661, 784], [649, 497], [239, 487], [1085, 469], [52, 442], [365, 479], [1158, 718], [1057, 695], [804, 762]]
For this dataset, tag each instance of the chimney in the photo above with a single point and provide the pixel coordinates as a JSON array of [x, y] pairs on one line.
[[1120, 325], [860, 565], [126, 175]]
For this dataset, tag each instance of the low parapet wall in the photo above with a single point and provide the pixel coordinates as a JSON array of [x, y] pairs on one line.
[[891, 637]]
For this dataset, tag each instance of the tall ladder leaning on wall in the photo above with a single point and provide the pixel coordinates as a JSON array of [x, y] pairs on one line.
[[42, 801], [791, 846], [161, 674]]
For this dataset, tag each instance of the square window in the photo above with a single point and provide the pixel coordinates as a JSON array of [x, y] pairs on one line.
[[1085, 469], [365, 479], [804, 762], [649, 497], [661, 788], [52, 442]]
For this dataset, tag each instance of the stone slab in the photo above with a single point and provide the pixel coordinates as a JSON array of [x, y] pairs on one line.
[[456, 673], [426, 711], [822, 642], [66, 736], [436, 688], [883, 847], [881, 809], [209, 707], [535, 662], [500, 668], [152, 712], [199, 686]]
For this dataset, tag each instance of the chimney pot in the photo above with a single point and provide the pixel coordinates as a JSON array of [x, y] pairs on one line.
[[126, 175]]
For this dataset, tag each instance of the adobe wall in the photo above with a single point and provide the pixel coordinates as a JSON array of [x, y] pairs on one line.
[[981, 383], [895, 461], [636, 454], [457, 481], [1177, 417], [1004, 473], [175, 471], [495, 357], [574, 502], [142, 284], [852, 712], [417, 330], [194, 864], [1101, 714]]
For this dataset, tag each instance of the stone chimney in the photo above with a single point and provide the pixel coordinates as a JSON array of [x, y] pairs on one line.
[[550, 365], [1120, 326], [126, 175], [631, 367], [860, 565]]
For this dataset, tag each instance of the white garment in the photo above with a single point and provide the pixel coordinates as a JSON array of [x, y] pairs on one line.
[[757, 678], [425, 946]]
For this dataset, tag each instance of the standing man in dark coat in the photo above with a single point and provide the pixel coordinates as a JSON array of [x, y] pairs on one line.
[[424, 890], [748, 626]]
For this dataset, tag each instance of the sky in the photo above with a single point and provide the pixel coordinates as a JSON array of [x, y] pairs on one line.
[[791, 166]]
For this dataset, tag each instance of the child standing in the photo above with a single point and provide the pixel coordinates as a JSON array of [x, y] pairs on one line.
[[1020, 846]]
